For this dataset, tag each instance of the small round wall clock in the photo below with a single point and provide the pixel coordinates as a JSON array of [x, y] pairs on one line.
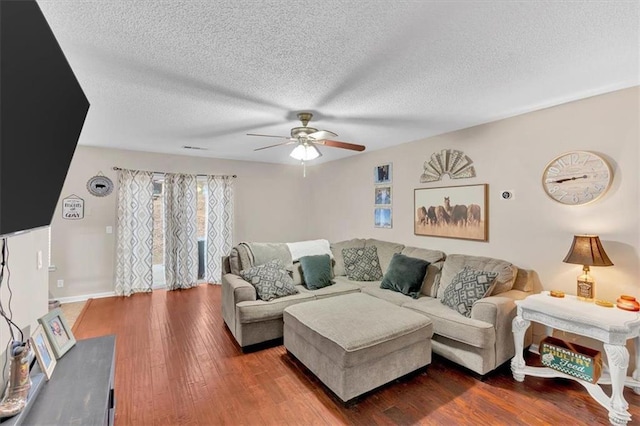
[[577, 177], [100, 186]]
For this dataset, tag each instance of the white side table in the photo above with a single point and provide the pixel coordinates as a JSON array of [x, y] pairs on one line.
[[612, 326]]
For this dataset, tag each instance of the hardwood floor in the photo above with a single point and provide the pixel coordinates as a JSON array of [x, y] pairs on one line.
[[177, 364]]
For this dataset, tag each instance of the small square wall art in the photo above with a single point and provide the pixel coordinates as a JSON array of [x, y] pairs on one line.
[[382, 217], [382, 173]]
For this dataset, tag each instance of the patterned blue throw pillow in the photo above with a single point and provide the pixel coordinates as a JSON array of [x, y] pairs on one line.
[[271, 280], [468, 286], [362, 264]]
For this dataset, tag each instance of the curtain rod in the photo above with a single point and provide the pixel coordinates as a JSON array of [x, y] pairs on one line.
[[162, 173]]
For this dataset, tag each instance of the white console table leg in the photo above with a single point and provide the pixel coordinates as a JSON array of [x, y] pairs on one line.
[[636, 372], [618, 360], [519, 326]]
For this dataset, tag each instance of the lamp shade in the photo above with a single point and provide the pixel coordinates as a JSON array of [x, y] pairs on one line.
[[305, 152], [587, 250]]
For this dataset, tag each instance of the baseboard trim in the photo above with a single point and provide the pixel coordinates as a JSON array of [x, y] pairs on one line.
[[84, 297]]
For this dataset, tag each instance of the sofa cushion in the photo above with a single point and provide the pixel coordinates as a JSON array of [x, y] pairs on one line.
[[343, 279], [337, 289], [467, 287], [385, 249], [259, 310], [336, 249], [316, 271], [436, 260], [450, 324], [455, 263], [362, 264], [388, 295], [525, 279], [271, 280], [405, 275]]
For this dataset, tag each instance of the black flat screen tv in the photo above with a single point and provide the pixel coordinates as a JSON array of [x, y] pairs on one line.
[[42, 111]]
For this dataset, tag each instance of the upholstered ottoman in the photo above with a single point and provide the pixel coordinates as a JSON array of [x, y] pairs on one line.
[[355, 342]]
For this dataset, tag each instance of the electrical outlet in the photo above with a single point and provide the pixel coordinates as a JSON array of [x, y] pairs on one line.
[[60, 283], [109, 229]]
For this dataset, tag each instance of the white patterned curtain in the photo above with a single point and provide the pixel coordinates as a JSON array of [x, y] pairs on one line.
[[134, 263], [180, 231], [219, 225]]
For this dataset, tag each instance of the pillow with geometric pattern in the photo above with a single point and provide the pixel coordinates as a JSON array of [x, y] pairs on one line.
[[362, 264], [271, 280], [468, 286]]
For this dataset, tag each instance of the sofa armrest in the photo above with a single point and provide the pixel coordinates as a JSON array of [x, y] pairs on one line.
[[237, 289], [234, 290], [500, 310], [496, 309]]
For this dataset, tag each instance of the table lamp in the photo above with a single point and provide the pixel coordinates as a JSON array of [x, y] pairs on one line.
[[587, 250]]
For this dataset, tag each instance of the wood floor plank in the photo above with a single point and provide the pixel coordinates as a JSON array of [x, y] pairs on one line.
[[177, 364]]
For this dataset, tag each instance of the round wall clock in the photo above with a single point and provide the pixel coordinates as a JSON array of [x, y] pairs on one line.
[[577, 177], [100, 186]]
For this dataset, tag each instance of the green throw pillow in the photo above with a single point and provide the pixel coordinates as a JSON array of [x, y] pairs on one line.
[[316, 271], [405, 275], [468, 286], [362, 264], [271, 280]]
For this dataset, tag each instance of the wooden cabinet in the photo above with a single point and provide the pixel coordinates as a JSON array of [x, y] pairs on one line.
[[81, 390]]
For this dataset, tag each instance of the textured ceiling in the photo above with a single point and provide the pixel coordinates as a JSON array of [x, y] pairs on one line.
[[163, 74]]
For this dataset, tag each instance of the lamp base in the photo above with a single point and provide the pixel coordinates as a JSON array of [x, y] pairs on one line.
[[586, 287]]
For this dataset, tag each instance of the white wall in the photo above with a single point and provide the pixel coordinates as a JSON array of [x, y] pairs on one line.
[[532, 231], [268, 203], [274, 203], [29, 284]]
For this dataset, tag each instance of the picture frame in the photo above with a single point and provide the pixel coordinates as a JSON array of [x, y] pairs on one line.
[[58, 331], [452, 212], [383, 217], [382, 173], [382, 195], [44, 353]]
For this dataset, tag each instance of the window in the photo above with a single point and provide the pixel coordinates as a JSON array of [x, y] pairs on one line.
[[158, 226]]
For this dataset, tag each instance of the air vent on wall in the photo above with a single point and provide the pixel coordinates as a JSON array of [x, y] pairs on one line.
[[197, 148]]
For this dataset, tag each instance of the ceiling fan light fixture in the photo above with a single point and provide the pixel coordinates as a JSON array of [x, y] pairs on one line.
[[305, 152]]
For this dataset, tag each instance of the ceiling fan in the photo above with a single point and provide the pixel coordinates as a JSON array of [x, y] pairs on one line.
[[306, 138]]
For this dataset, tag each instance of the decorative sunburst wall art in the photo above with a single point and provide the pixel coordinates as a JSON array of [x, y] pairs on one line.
[[448, 162]]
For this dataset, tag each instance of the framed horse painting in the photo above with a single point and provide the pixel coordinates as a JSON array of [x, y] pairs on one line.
[[452, 212]]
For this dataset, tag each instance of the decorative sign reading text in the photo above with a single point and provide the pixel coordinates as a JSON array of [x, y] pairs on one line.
[[73, 208], [569, 358]]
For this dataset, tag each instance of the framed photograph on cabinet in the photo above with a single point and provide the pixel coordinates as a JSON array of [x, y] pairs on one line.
[[44, 354], [382, 195], [382, 218], [452, 212], [382, 173], [58, 331]]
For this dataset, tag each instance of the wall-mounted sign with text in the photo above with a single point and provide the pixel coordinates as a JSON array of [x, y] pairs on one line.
[[73, 208]]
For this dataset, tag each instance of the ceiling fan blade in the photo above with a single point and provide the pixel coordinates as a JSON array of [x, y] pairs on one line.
[[321, 134], [273, 146], [344, 145], [268, 136]]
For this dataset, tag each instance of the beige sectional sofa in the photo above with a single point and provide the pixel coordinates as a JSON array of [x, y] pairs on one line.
[[480, 343]]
